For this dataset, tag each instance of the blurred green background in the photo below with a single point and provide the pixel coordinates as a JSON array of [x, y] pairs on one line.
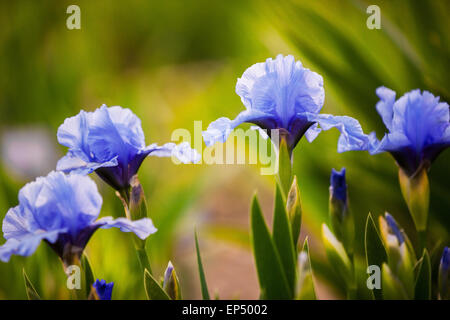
[[175, 62]]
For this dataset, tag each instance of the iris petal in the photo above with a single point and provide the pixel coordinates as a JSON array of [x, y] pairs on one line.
[[142, 228]]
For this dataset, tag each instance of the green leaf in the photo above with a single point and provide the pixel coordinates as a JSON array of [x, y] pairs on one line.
[[271, 277], [305, 290], [375, 251], [31, 291], [201, 273], [294, 210], [87, 274], [282, 238], [393, 289], [337, 256], [284, 166], [153, 289], [423, 280]]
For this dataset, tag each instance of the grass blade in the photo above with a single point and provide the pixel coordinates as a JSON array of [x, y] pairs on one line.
[[201, 272], [31, 291]]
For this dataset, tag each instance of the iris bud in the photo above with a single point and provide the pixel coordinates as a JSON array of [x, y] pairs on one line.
[[401, 258], [171, 284], [341, 219]]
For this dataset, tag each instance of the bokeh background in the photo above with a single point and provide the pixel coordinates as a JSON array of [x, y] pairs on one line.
[[175, 62]]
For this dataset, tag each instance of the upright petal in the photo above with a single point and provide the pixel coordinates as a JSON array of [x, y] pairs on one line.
[[385, 105]]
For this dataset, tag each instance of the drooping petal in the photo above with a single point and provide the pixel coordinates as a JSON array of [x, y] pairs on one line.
[[75, 164], [312, 133], [352, 136], [182, 152], [219, 130], [26, 245], [142, 227]]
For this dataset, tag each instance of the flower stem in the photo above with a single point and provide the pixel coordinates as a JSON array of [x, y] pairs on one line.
[[143, 258]]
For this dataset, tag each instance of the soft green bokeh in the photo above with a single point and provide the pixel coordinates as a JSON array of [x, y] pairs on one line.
[[175, 62]]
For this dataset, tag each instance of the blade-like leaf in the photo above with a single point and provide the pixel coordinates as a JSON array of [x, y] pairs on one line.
[[392, 286], [31, 292], [337, 256], [294, 210], [153, 289], [305, 290], [375, 251], [271, 277], [423, 280], [87, 274], [282, 238], [201, 273]]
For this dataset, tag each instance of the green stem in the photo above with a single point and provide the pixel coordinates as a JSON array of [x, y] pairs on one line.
[[133, 200], [143, 258]]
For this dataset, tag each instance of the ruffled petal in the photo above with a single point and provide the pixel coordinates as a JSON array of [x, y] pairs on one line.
[[312, 132], [385, 105], [352, 136], [73, 132], [182, 152], [219, 130], [128, 125], [142, 228], [75, 164], [26, 245], [104, 138], [281, 87]]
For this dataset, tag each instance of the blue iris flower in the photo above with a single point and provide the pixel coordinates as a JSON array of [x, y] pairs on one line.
[[61, 210], [103, 289], [111, 142], [419, 128], [282, 94], [338, 186]]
